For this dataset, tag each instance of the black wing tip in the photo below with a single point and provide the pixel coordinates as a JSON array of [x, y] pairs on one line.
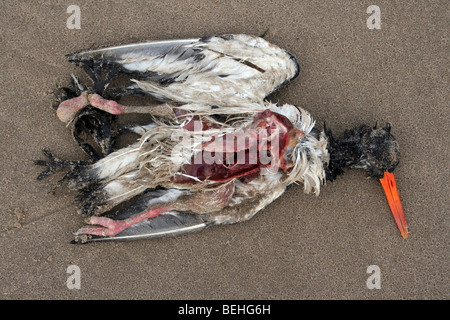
[[297, 66], [296, 73]]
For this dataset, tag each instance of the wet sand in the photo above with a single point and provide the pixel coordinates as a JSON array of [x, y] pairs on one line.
[[299, 247]]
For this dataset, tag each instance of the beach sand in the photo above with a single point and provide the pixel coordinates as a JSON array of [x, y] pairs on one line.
[[300, 246]]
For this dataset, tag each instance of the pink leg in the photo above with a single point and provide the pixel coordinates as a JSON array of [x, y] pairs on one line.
[[106, 105], [113, 107], [69, 108], [110, 227]]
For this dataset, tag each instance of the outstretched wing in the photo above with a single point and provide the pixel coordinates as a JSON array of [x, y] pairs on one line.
[[221, 70]]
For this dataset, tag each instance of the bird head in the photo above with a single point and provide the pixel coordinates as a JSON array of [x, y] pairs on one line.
[[375, 150], [379, 151]]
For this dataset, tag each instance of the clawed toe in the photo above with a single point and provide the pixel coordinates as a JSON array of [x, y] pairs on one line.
[[102, 226]]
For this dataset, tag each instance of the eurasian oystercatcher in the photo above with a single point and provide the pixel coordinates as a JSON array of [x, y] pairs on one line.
[[216, 151]]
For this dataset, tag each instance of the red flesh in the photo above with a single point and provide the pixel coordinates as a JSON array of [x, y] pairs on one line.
[[249, 164]]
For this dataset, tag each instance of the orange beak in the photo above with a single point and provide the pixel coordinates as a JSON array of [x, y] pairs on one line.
[[390, 188]]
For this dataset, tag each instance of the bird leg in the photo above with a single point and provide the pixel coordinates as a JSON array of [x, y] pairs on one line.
[[101, 72], [68, 109], [103, 226], [204, 201]]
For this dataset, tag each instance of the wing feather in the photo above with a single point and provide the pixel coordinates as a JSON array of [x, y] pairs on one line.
[[221, 70]]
